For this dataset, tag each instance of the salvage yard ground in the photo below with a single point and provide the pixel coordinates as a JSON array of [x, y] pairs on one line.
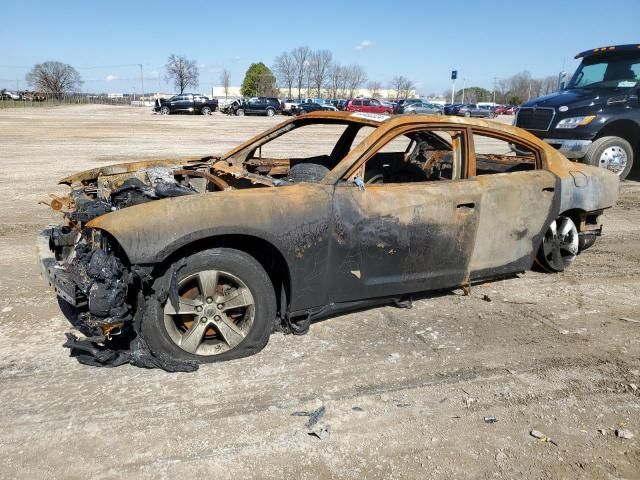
[[405, 392]]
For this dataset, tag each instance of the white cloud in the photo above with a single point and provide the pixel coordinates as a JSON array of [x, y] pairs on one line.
[[111, 77], [363, 45]]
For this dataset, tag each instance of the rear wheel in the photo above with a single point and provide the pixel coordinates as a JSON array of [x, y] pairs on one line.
[[205, 110], [224, 308], [613, 153], [559, 245]]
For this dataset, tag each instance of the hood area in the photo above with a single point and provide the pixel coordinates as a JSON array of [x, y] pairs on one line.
[[577, 98]]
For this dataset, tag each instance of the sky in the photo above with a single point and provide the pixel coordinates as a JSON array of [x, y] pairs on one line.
[[422, 40]]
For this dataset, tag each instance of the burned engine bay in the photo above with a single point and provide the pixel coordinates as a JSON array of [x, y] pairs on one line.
[[98, 290]]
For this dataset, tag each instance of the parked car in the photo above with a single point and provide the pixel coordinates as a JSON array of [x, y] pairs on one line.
[[421, 107], [175, 262], [268, 106], [311, 107], [8, 95], [287, 104], [186, 103], [369, 105], [500, 109], [400, 104], [511, 110], [452, 108], [340, 104], [473, 110]]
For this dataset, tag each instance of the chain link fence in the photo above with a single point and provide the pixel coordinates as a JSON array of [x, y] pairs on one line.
[[36, 101]]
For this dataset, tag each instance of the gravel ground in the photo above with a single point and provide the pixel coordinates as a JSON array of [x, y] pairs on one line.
[[405, 392]]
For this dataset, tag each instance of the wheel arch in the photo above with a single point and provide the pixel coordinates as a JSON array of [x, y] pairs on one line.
[[628, 130], [263, 251]]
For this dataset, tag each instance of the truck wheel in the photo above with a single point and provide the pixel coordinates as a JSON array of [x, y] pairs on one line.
[[240, 112], [165, 111], [613, 153], [224, 308], [270, 112], [205, 110]]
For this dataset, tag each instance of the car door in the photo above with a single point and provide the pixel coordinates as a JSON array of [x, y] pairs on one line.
[[174, 106], [520, 199], [397, 238]]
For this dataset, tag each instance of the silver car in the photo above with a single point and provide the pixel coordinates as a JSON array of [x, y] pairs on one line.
[[423, 107]]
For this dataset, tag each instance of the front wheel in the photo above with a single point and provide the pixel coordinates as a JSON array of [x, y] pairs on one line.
[[560, 245], [613, 153], [240, 112], [165, 111], [223, 307], [270, 112]]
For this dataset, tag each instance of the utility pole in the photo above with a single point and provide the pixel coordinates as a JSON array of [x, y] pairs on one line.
[[141, 81], [529, 96], [464, 85], [454, 75], [494, 90]]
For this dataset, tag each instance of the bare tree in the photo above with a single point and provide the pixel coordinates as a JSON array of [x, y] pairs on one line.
[[300, 57], [225, 81], [374, 87], [355, 76], [335, 80], [285, 69], [402, 86], [319, 68], [54, 78], [182, 72]]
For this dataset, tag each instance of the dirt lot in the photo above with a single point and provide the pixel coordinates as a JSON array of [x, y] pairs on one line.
[[405, 391]]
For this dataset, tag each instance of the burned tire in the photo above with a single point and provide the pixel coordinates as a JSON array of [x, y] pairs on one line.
[[613, 153], [222, 307], [560, 245], [307, 172]]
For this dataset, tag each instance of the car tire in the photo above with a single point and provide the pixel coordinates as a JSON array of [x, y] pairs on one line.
[[205, 110], [270, 112], [610, 151], [165, 110], [158, 332], [301, 112], [467, 114], [240, 112], [307, 172], [560, 245]]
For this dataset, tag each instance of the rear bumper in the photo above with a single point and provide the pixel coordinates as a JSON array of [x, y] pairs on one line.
[[54, 274]]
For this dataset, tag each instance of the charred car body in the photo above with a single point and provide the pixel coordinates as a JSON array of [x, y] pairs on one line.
[[201, 259]]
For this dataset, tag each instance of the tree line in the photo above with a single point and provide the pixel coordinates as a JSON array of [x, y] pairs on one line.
[[302, 70], [513, 90]]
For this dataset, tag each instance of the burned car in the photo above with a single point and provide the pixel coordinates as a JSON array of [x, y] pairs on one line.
[[201, 259]]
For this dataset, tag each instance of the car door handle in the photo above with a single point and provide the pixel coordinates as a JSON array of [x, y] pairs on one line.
[[466, 206], [549, 189]]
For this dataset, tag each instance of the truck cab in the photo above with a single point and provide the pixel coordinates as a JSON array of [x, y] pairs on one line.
[[595, 116]]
